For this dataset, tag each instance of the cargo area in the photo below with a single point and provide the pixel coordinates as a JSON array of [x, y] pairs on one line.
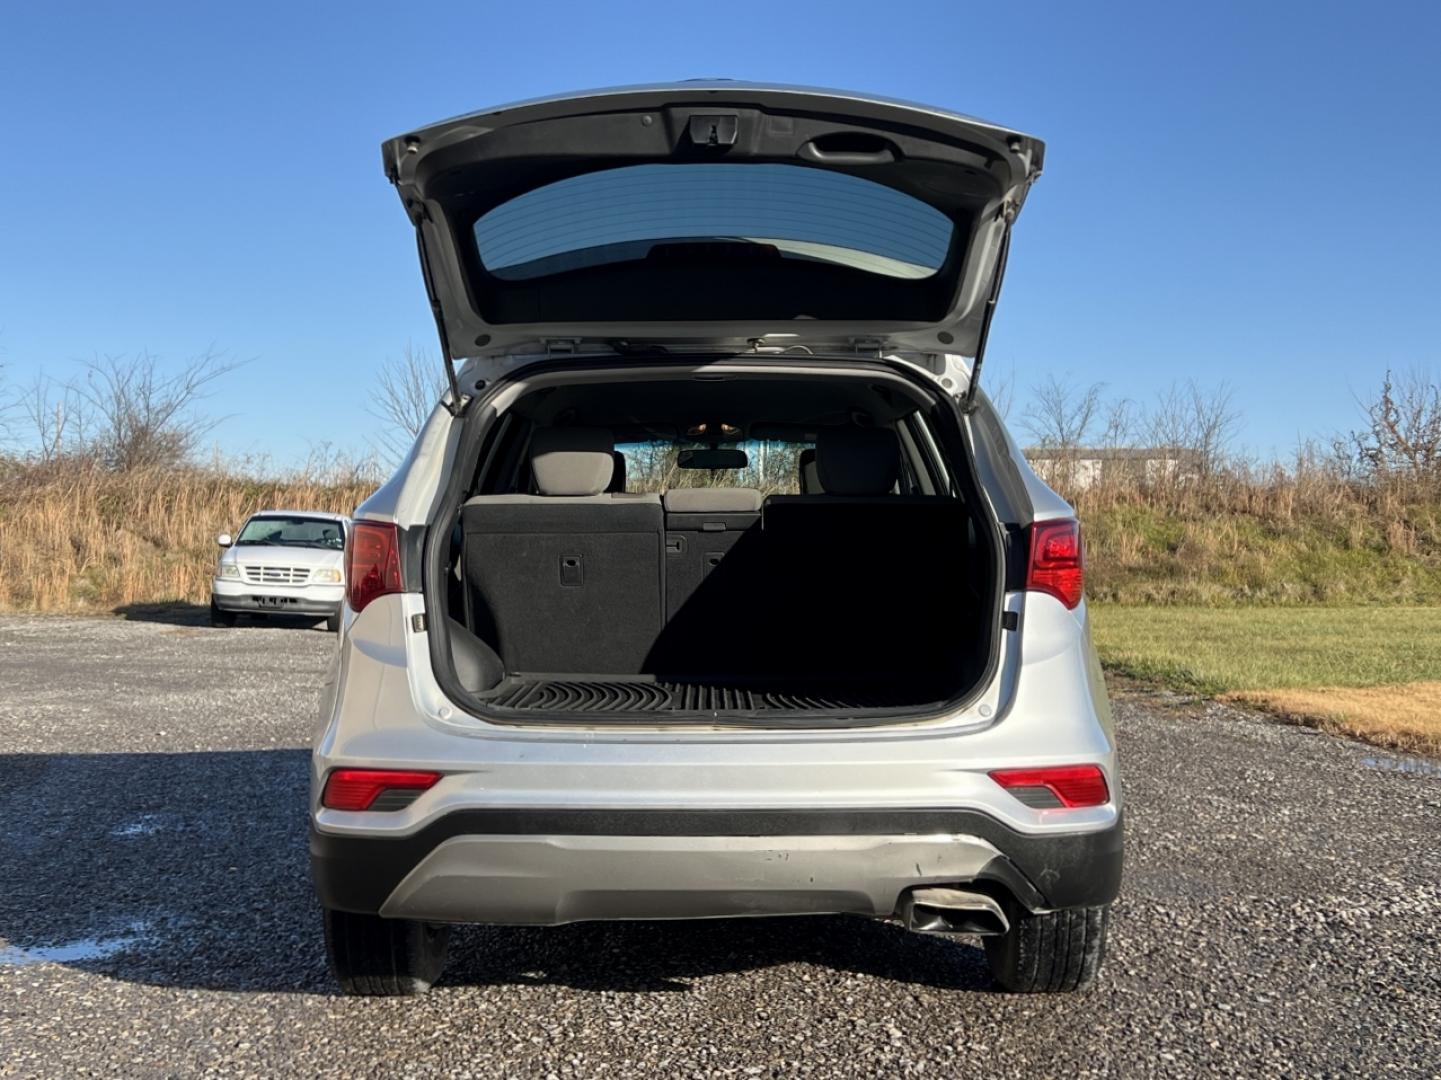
[[852, 576]]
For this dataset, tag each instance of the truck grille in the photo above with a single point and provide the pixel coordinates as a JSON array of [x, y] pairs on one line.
[[275, 575]]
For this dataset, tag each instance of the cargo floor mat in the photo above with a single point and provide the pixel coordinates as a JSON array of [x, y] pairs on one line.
[[578, 694]]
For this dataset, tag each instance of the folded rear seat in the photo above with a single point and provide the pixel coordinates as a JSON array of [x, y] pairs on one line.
[[864, 581], [568, 580], [702, 525], [712, 566]]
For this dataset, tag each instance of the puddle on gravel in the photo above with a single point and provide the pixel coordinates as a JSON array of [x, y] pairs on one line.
[[144, 825], [77, 951], [1414, 766]]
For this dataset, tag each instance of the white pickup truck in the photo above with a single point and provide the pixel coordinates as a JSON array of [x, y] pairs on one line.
[[282, 562]]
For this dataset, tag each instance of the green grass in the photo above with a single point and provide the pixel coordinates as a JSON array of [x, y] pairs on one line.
[[1215, 650]]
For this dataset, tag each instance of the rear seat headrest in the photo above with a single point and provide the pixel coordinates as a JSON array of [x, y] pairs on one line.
[[572, 461], [715, 500], [858, 461]]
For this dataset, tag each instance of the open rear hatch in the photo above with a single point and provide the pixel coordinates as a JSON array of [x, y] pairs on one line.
[[712, 218], [712, 214]]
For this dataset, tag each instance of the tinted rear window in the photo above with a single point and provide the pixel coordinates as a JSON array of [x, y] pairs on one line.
[[619, 215]]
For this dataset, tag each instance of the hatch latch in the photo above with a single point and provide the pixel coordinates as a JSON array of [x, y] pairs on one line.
[[713, 129]]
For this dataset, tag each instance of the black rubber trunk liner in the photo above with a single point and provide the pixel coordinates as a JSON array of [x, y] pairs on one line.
[[540, 694]]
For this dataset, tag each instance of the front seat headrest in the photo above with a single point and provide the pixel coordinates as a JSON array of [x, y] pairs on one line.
[[858, 461], [617, 475], [810, 477], [572, 461]]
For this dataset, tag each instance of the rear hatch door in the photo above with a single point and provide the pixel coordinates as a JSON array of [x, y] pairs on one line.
[[711, 214]]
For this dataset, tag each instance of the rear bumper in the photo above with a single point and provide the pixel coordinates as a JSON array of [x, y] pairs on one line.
[[547, 867]]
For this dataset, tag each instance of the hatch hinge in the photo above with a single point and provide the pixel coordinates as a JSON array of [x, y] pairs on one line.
[[973, 385], [458, 401]]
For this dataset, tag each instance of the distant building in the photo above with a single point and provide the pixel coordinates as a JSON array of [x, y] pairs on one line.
[[1081, 467]]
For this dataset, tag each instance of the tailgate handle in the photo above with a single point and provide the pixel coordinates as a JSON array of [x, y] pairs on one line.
[[841, 149]]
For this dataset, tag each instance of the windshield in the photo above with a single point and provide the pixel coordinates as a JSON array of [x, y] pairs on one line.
[[646, 211], [293, 531]]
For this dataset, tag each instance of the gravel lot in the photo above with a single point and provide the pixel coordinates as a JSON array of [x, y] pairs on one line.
[[1280, 911]]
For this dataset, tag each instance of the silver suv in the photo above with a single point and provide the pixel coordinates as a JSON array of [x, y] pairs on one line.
[[714, 586]]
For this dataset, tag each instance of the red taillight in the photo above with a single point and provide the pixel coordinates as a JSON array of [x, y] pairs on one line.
[[1073, 785], [372, 562], [357, 789], [1057, 560]]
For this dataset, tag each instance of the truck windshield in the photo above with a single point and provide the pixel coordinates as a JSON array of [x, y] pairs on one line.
[[293, 531]]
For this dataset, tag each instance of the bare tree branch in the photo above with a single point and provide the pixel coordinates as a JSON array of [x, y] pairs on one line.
[[1061, 414], [407, 389], [1190, 417], [57, 417], [1402, 438], [144, 416]]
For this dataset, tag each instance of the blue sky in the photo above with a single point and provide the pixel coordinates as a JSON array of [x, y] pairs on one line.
[[1234, 192]]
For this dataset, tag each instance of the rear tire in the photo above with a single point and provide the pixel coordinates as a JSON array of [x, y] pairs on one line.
[[375, 957], [220, 617], [1055, 952]]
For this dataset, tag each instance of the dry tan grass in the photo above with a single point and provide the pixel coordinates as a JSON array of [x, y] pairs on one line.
[[75, 535], [81, 537], [1403, 717], [1254, 536]]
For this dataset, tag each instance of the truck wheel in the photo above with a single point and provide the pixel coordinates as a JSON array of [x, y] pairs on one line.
[[332, 623], [219, 617], [1053, 952], [375, 957]]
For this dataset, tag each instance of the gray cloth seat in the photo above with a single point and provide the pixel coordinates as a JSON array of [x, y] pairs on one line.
[[860, 555], [569, 579], [857, 461], [712, 500]]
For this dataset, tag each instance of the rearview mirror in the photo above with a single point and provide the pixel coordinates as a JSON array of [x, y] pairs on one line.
[[713, 459], [224, 540]]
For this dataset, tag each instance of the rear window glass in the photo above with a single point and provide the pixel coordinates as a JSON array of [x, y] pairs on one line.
[[619, 215]]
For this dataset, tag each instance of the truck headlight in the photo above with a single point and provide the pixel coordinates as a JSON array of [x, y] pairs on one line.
[[325, 577], [229, 570]]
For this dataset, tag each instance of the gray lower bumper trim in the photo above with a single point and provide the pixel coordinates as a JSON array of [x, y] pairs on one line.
[[361, 872], [547, 880]]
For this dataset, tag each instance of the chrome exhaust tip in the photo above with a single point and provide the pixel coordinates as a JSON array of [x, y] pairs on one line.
[[942, 910]]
